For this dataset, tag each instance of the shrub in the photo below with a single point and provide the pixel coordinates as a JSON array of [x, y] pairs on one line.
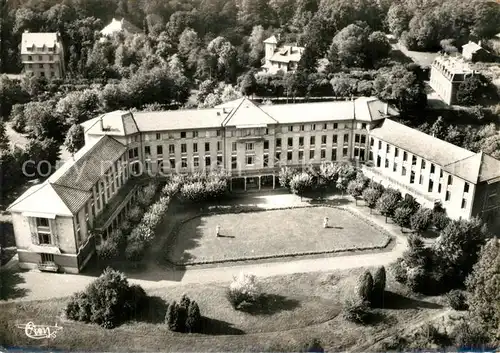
[[216, 188], [107, 301], [356, 311], [193, 192], [285, 176], [147, 195], [172, 188], [416, 279], [470, 336], [135, 250], [457, 300], [193, 321], [153, 216], [402, 216], [244, 290], [118, 237], [79, 307], [421, 219], [371, 195], [125, 227], [440, 220], [365, 287], [428, 335], [135, 214], [399, 271], [388, 202], [172, 317], [301, 183], [379, 281], [108, 249], [313, 346]]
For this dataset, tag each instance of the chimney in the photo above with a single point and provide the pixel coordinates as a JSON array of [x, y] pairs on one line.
[[386, 109], [278, 36], [26, 31], [479, 43], [102, 124]]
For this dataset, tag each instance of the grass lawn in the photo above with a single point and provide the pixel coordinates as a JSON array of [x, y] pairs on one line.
[[269, 233], [306, 306]]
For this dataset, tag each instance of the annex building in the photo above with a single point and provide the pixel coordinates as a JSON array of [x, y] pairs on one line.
[[53, 221], [42, 54]]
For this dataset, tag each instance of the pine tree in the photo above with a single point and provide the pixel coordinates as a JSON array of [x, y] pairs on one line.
[[365, 287], [193, 321], [172, 317], [379, 281]]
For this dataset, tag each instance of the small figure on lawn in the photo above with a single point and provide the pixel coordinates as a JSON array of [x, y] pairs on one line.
[[325, 222], [217, 230]]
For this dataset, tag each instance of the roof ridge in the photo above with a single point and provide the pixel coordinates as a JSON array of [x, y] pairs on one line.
[[28, 195], [462, 159]]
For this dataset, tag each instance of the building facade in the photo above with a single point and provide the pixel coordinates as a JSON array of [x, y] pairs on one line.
[[42, 54], [52, 221], [283, 58], [475, 52], [120, 26], [447, 73], [464, 183]]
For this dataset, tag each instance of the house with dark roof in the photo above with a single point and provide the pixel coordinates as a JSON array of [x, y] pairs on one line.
[[53, 220], [60, 222], [284, 57]]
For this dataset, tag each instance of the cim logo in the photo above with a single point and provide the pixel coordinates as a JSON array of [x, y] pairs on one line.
[[38, 332]]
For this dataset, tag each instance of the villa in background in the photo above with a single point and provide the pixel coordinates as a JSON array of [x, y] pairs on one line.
[[475, 52], [120, 26], [94, 190], [284, 58], [42, 54], [447, 73]]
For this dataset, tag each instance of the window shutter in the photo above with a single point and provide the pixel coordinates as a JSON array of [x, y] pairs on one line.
[[34, 234], [53, 232]]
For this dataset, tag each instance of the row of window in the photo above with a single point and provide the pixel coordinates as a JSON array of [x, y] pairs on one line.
[[250, 146], [40, 58], [40, 66], [42, 73], [40, 49], [250, 159], [263, 131]]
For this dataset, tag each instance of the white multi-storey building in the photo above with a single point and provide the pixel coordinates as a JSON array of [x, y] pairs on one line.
[[447, 73], [94, 189], [42, 54]]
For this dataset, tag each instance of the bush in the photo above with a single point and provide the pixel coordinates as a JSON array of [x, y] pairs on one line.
[[193, 192], [107, 301], [243, 291], [108, 249], [371, 195], [356, 311], [285, 176], [172, 187], [313, 346], [135, 250], [421, 220], [428, 335], [379, 281], [416, 279], [399, 271], [440, 220], [135, 214], [193, 321], [147, 195], [126, 227], [79, 307], [457, 300], [402, 216], [365, 288], [469, 336], [301, 183], [118, 237]]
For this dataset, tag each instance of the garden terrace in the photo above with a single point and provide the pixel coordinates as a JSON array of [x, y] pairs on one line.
[[269, 234]]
